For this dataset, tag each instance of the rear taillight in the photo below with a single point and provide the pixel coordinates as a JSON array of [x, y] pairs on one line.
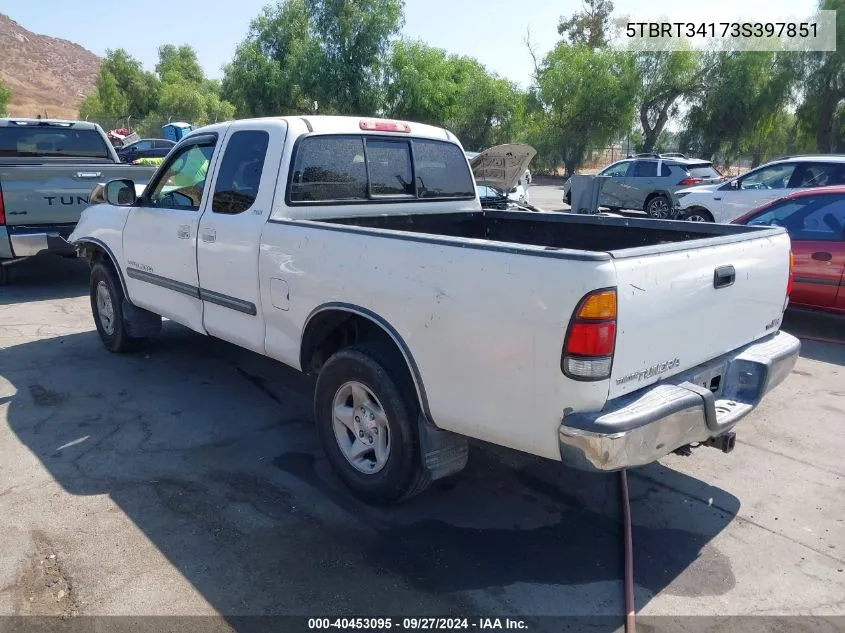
[[2, 209], [591, 337], [691, 181]]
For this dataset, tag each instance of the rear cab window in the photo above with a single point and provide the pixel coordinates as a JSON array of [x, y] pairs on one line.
[[32, 140], [377, 169]]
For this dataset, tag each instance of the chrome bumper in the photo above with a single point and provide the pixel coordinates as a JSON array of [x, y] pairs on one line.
[[28, 244], [641, 427]]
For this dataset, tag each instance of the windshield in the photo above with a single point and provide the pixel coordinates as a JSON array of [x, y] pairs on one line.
[[486, 191], [43, 140]]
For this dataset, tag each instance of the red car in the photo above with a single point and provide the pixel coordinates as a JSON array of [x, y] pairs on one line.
[[815, 221]]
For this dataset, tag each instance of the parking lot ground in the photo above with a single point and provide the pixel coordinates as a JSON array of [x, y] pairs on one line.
[[187, 480]]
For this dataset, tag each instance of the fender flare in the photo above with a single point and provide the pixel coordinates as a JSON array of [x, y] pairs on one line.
[[380, 321], [104, 247]]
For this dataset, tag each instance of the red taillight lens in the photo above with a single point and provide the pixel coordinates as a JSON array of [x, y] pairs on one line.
[[2, 209], [691, 181], [384, 126], [591, 337]]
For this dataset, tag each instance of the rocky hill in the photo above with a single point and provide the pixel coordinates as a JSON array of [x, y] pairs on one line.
[[46, 75]]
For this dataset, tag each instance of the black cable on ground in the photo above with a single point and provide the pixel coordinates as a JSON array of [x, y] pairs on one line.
[[630, 607]]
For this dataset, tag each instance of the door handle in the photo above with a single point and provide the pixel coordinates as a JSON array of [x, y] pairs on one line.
[[209, 235], [821, 256], [184, 232], [88, 175], [724, 276]]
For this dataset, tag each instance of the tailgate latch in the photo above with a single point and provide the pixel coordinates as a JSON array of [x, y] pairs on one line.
[[724, 276]]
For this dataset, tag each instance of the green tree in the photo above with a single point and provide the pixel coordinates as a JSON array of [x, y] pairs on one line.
[[274, 70], [179, 63], [5, 97], [666, 79], [588, 99], [589, 26], [426, 84], [820, 112], [746, 93], [301, 52]]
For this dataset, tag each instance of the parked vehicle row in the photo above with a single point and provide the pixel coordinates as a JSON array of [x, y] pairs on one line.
[[358, 250], [649, 184], [47, 171], [815, 221], [724, 202]]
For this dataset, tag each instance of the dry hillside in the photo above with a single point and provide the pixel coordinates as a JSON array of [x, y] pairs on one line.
[[45, 74]]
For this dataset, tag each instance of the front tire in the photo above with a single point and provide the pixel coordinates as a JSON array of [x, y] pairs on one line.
[[659, 207], [107, 308], [366, 418]]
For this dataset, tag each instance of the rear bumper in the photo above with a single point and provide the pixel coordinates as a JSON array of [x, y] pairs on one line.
[[29, 241], [643, 426]]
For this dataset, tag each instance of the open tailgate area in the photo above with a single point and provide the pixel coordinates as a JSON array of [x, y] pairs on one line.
[[672, 316]]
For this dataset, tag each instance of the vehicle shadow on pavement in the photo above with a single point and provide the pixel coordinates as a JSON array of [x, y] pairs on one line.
[[822, 335], [40, 278], [210, 451]]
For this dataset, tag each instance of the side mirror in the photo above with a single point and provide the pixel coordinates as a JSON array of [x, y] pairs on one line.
[[121, 193], [735, 184]]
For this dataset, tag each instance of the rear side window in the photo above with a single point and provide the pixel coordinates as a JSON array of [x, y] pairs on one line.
[[239, 177], [358, 169], [329, 168], [665, 170], [821, 174], [645, 169], [58, 141], [441, 171], [704, 170]]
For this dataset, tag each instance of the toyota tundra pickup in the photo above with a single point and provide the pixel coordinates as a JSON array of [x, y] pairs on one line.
[[47, 170], [357, 250]]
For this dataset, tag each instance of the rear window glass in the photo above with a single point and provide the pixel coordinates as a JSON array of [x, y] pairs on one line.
[[442, 171], [34, 141], [329, 168], [389, 164], [340, 168], [705, 170]]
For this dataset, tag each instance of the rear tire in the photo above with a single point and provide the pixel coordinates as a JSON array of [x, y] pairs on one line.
[[107, 309], [659, 207], [366, 417], [696, 215]]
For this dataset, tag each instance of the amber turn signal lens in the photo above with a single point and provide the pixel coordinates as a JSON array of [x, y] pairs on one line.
[[600, 305]]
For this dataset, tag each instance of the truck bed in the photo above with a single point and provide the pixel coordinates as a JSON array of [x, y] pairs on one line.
[[557, 230]]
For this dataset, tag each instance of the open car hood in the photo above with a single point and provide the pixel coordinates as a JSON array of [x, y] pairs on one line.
[[502, 166]]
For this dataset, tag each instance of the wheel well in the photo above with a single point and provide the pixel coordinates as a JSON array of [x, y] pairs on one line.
[[331, 330], [96, 254], [653, 195]]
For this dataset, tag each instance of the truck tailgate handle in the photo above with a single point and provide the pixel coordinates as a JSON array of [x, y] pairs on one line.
[[88, 175], [724, 276]]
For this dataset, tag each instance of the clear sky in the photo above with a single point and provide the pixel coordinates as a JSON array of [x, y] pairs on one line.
[[492, 31]]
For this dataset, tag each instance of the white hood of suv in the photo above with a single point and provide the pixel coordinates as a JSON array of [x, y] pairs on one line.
[[502, 166]]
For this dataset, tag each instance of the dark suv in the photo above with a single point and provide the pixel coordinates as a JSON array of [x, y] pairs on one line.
[[145, 148]]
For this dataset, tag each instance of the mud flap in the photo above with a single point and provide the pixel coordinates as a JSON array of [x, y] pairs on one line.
[[442, 453], [140, 323]]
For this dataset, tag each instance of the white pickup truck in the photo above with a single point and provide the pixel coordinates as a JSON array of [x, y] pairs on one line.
[[357, 249]]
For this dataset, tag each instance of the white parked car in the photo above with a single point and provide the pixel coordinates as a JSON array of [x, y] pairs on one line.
[[727, 201], [357, 250]]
